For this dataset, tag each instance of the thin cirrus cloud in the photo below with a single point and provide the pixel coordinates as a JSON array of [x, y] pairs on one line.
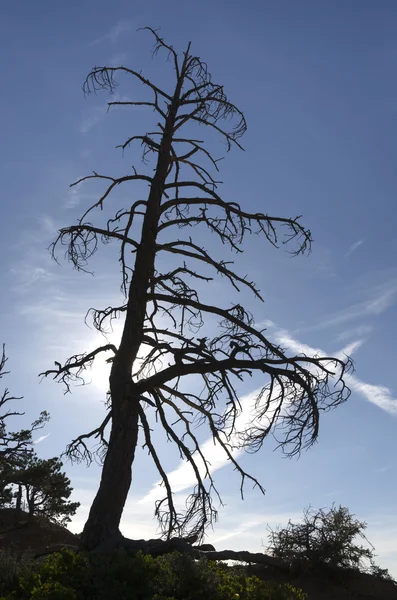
[[379, 395], [96, 116], [248, 526], [384, 298], [114, 33], [242, 528], [98, 113], [27, 276], [359, 331], [41, 439], [117, 60], [75, 196], [354, 247]]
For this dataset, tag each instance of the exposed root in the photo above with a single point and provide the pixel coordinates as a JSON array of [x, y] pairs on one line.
[[158, 547]]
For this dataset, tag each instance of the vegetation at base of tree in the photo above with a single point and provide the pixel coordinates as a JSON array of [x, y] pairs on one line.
[[70, 576], [326, 539], [13, 567], [323, 545]]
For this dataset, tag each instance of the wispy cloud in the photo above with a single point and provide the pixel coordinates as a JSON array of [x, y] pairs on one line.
[[384, 297], [33, 269], [247, 530], [384, 469], [96, 115], [379, 395], [242, 527], [41, 439], [349, 350], [76, 196], [73, 198], [354, 332], [45, 312], [48, 224], [354, 247], [114, 33], [34, 264], [27, 275], [118, 29], [383, 300], [117, 59], [36, 236]]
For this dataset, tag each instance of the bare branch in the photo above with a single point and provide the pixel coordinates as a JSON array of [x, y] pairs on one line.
[[103, 78], [202, 255], [115, 182], [73, 369], [130, 103], [161, 44], [78, 451], [172, 513]]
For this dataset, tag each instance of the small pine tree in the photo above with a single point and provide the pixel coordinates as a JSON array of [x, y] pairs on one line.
[[46, 488], [15, 446]]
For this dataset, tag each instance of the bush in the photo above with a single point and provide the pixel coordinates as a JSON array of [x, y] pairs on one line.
[[69, 576], [325, 540], [12, 567]]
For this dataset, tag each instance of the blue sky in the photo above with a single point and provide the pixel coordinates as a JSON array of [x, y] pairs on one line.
[[317, 82]]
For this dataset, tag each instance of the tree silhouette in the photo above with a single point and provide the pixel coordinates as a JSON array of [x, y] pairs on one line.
[[14, 445], [45, 488], [164, 267], [324, 538]]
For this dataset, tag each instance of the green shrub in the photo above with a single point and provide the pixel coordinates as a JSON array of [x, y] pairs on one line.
[[12, 567], [117, 576]]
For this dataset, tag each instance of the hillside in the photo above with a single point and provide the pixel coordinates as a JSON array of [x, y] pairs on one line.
[[22, 536]]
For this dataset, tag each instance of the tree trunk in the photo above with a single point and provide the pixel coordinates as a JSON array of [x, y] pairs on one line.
[[102, 526], [18, 503], [30, 497]]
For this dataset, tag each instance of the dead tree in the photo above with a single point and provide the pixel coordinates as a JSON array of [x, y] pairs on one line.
[[165, 307]]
